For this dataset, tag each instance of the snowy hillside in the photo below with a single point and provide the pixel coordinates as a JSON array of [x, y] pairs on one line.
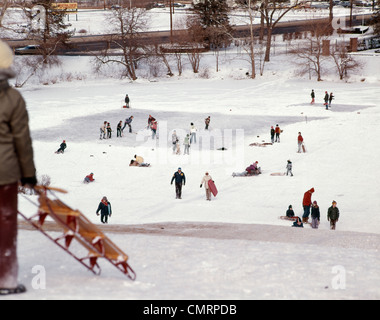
[[235, 246]]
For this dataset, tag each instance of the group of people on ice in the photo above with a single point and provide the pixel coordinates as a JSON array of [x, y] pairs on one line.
[[311, 208], [327, 99]]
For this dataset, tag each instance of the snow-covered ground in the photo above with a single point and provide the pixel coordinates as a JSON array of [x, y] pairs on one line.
[[279, 262]]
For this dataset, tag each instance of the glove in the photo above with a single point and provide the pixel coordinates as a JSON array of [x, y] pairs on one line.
[[31, 181], [200, 186]]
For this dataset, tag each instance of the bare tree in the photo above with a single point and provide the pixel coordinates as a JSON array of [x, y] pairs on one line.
[[273, 11], [344, 62], [250, 7], [310, 52], [129, 23]]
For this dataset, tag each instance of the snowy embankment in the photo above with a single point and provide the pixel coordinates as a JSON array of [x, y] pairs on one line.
[[341, 163]]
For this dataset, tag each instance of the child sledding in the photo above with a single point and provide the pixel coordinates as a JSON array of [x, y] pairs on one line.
[[252, 170]]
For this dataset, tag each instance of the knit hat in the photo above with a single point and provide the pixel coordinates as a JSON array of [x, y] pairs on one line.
[[6, 56]]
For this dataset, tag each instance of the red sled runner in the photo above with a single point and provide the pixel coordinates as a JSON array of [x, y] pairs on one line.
[[75, 226], [213, 188]]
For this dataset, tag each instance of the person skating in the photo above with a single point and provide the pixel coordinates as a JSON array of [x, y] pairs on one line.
[[16, 164], [89, 178], [306, 203], [129, 123], [105, 210], [180, 179], [315, 215], [289, 167], [312, 96], [205, 181], [62, 147], [333, 215]]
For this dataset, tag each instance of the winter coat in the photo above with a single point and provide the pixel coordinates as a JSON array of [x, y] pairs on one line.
[[300, 139], [16, 153], [333, 213], [179, 178], [89, 178], [315, 214], [104, 208], [139, 159], [307, 197], [290, 213], [205, 180]]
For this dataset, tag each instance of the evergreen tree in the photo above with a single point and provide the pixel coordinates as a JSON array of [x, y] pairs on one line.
[[213, 18]]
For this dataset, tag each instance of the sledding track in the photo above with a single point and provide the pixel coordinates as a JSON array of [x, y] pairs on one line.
[[252, 232]]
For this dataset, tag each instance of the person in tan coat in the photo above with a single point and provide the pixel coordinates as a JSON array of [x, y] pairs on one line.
[[205, 181], [16, 164]]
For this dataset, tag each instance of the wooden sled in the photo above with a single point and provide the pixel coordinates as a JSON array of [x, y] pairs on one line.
[[75, 226], [257, 144], [277, 174]]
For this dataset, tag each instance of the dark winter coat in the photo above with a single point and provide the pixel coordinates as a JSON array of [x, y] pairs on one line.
[[315, 214], [290, 213], [179, 178], [333, 213], [104, 208]]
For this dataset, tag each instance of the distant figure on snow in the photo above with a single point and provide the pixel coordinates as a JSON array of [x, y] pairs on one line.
[[186, 143], [315, 215], [193, 133], [272, 133], [278, 131], [118, 129], [333, 215], [300, 143], [128, 122], [179, 178], [89, 178], [207, 122], [62, 147], [331, 97], [326, 99], [253, 169], [289, 167], [205, 181], [105, 210], [312, 96], [126, 100]]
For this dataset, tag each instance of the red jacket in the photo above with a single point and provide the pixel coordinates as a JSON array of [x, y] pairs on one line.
[[300, 139], [307, 197]]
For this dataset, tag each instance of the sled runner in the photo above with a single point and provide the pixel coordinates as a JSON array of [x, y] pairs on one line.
[[75, 226], [212, 187]]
